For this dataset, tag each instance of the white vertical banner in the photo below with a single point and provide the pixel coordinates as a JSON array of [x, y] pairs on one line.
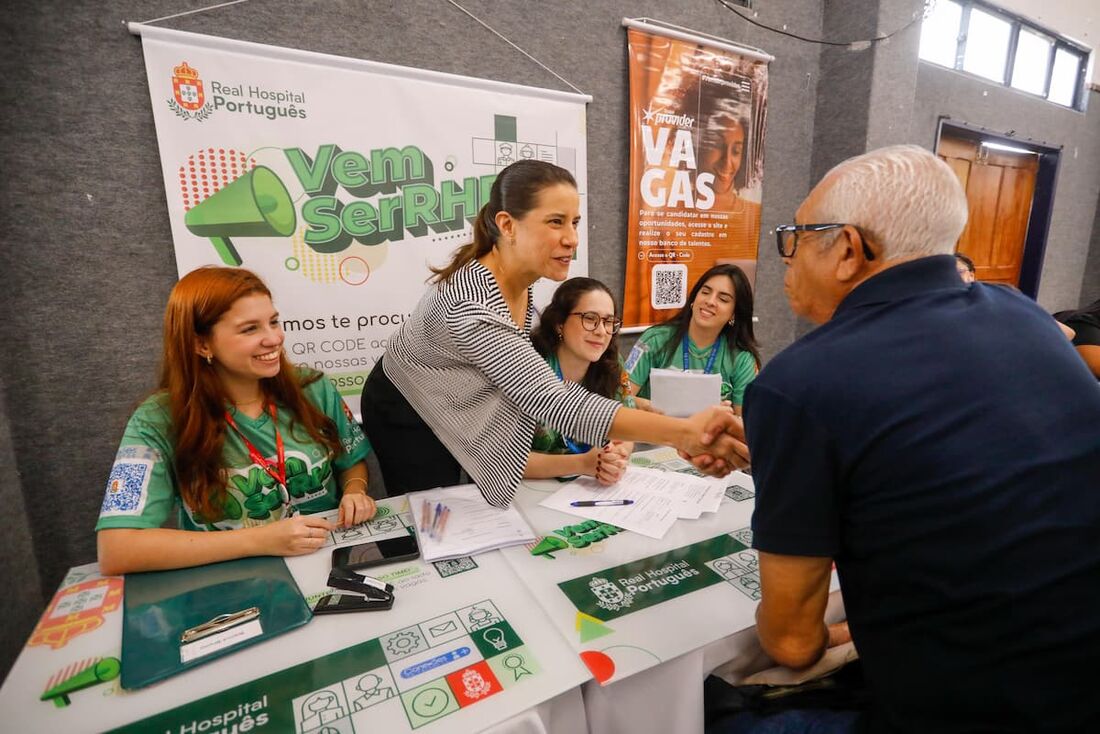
[[338, 181]]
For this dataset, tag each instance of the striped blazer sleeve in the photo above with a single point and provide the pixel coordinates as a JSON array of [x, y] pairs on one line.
[[510, 362]]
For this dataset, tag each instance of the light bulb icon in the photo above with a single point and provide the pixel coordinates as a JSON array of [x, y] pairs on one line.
[[495, 637]]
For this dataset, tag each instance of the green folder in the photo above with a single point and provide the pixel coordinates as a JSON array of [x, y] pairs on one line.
[[221, 603]]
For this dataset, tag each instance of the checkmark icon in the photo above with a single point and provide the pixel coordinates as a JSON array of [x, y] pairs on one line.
[[430, 702]]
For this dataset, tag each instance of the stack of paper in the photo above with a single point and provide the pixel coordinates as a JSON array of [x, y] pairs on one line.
[[471, 524], [683, 394], [658, 498]]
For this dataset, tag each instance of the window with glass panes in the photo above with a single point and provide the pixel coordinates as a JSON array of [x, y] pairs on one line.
[[979, 38]]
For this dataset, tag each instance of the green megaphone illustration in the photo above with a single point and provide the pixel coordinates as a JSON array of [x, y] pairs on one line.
[[255, 205], [105, 670]]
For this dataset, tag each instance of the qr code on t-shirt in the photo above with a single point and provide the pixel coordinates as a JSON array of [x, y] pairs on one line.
[[668, 288], [128, 483]]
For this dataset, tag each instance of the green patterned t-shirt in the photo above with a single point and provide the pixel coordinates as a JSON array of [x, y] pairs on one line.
[[737, 368], [142, 492]]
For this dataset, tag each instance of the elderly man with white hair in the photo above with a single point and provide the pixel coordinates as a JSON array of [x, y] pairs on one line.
[[940, 442]]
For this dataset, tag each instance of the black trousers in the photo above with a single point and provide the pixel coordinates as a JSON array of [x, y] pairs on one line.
[[411, 456]]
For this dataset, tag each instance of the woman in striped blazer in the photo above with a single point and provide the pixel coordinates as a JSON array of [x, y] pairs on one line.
[[460, 388]]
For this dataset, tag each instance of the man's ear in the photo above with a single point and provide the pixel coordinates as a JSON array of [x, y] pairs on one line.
[[848, 250]]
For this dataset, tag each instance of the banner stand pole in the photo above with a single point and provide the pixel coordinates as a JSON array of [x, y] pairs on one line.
[[662, 28]]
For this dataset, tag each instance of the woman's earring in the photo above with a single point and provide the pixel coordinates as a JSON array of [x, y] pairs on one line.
[[210, 359], [732, 322], [559, 335]]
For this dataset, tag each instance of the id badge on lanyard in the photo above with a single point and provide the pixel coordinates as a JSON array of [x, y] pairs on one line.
[[275, 469]]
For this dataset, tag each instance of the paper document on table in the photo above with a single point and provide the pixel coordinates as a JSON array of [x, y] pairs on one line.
[[691, 495], [651, 513], [682, 394], [457, 521], [698, 495], [659, 499]]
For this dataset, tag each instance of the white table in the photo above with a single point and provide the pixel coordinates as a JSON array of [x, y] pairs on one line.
[[658, 655], [649, 662], [382, 662]]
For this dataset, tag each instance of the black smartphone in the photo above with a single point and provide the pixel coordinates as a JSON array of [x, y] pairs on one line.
[[375, 554], [340, 603]]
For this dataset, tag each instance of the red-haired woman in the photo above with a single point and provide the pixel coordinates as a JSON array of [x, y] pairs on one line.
[[236, 439]]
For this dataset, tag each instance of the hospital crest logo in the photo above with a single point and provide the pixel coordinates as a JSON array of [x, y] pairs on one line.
[[609, 596], [476, 686], [188, 98], [75, 610]]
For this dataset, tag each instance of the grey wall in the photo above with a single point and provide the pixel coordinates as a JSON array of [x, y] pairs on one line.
[[1090, 287], [864, 94], [20, 609], [86, 260]]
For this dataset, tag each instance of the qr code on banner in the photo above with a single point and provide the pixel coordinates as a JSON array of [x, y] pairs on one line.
[[669, 286]]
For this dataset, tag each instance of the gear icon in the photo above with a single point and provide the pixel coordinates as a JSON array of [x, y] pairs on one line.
[[403, 643]]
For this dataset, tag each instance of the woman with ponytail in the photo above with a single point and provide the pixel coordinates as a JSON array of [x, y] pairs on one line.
[[460, 389], [236, 439]]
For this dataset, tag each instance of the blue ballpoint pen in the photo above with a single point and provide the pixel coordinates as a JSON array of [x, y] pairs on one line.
[[600, 503], [435, 520]]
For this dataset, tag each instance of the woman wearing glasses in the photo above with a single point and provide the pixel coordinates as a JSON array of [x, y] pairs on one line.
[[576, 337], [712, 333], [236, 440], [460, 388]]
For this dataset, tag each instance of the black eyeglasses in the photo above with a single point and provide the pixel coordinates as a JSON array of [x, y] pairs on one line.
[[786, 237], [590, 320]]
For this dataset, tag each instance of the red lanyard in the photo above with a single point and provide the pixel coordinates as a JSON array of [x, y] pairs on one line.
[[275, 469]]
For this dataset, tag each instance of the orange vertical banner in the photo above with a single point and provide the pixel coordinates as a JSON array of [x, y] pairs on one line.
[[697, 119]]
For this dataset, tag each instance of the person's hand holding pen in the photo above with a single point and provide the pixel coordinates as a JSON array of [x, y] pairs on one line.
[[293, 536]]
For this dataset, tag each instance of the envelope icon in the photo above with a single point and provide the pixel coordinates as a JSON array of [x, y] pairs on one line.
[[442, 629]]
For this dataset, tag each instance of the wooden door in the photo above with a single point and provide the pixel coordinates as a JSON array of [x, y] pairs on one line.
[[999, 187]]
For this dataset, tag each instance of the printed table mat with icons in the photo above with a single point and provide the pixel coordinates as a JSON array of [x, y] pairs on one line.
[[626, 602], [401, 680], [391, 521], [481, 652]]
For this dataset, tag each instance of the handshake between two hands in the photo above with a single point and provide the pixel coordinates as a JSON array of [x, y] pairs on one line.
[[714, 441]]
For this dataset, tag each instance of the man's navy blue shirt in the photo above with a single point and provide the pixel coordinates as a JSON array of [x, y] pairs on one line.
[[941, 442]]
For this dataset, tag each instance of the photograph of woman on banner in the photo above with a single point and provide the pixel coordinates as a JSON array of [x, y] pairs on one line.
[[576, 336], [235, 439], [712, 333], [460, 388], [725, 152]]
